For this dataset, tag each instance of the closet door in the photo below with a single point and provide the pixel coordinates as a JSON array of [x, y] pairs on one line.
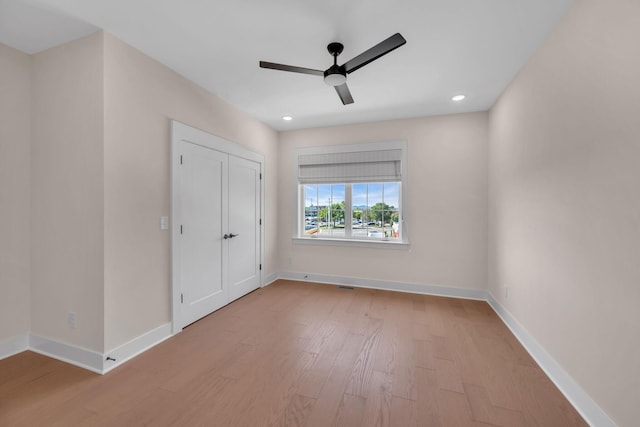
[[216, 231], [204, 222], [244, 224]]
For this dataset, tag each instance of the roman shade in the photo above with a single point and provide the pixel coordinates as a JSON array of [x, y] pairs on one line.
[[350, 167]]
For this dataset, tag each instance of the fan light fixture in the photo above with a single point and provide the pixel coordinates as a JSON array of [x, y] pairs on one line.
[[458, 98], [287, 118], [335, 76], [335, 79]]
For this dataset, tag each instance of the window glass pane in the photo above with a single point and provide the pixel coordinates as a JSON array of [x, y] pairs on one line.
[[392, 194], [382, 200], [374, 212], [330, 207], [392, 211], [324, 194], [376, 208], [359, 210], [311, 208], [375, 194], [359, 196], [374, 201], [336, 211]]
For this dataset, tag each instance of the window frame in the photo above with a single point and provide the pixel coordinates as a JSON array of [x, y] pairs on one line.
[[299, 235]]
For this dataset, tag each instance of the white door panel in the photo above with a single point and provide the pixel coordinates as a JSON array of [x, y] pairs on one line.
[[244, 220], [204, 221]]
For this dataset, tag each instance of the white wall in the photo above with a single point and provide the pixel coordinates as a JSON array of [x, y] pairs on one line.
[[67, 193], [565, 204], [15, 192], [447, 204], [141, 96]]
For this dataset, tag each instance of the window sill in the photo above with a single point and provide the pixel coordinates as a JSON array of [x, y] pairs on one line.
[[379, 244]]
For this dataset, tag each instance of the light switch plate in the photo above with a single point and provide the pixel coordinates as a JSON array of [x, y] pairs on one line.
[[164, 223]]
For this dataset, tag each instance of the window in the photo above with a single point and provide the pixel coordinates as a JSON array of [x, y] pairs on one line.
[[352, 193]]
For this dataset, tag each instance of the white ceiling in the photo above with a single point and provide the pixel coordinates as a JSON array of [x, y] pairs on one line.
[[474, 47]]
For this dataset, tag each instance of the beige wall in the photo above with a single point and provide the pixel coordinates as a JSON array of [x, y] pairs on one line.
[[447, 204], [141, 96], [67, 193], [99, 171], [565, 204], [15, 192]]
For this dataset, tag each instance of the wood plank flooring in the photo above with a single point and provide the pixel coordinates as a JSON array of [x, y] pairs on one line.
[[301, 354]]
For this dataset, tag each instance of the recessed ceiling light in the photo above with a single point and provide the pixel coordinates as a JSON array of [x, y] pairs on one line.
[[458, 98], [287, 118]]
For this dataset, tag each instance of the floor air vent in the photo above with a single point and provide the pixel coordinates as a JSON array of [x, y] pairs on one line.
[[349, 288]]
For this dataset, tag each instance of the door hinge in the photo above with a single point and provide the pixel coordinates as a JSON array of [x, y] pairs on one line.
[[180, 158], [260, 221], [182, 298], [260, 266], [261, 176], [180, 228]]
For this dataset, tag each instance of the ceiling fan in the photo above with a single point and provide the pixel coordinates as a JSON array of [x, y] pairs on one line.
[[336, 75]]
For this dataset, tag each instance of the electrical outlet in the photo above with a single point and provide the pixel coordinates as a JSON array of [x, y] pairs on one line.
[[506, 292], [71, 320], [289, 260]]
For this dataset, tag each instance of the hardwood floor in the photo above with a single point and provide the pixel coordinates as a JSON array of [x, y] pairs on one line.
[[300, 354]]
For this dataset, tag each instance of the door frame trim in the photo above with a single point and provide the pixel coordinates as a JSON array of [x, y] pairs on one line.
[[182, 132]]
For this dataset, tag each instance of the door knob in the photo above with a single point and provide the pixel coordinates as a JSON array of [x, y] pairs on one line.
[[233, 235]]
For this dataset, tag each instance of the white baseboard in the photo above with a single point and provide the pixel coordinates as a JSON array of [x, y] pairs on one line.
[[135, 347], [590, 411], [413, 288], [270, 279], [87, 359], [14, 345], [82, 357]]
